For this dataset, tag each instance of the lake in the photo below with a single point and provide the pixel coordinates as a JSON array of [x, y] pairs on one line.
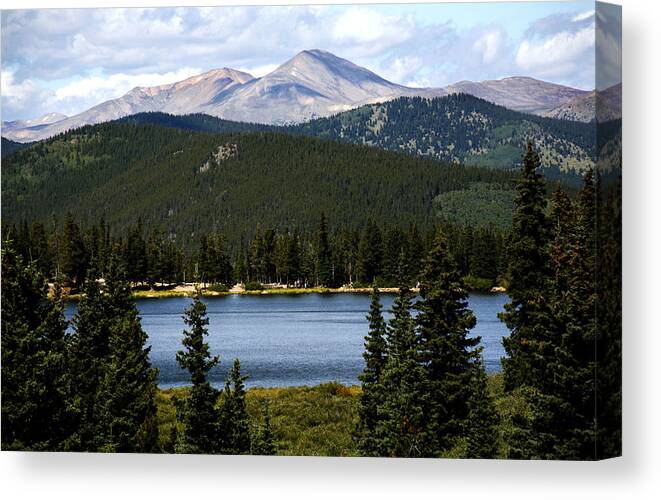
[[289, 340]]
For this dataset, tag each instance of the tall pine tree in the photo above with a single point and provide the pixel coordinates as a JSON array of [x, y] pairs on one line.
[[198, 414], [127, 392], [375, 356], [233, 416], [264, 442], [448, 355], [34, 375], [526, 315], [401, 419]]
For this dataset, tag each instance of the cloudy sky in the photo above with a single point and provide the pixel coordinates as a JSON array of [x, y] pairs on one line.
[[67, 60]]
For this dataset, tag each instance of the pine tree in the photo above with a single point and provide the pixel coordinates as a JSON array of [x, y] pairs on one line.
[[127, 392], [527, 315], [483, 418], [136, 254], [324, 275], [608, 264], [448, 354], [34, 378], [234, 421], [73, 253], [370, 253], [401, 419], [198, 414], [89, 347], [372, 391], [569, 387], [264, 442]]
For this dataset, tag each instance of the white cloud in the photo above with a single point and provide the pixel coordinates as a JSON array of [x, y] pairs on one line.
[[258, 71], [582, 16], [403, 69], [107, 87], [551, 55], [489, 45], [19, 95], [102, 53], [362, 25]]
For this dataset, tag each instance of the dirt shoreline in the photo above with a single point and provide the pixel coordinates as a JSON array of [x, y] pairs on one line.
[[188, 289]]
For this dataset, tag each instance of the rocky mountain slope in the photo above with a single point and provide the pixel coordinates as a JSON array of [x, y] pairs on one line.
[[176, 98], [603, 105], [519, 93]]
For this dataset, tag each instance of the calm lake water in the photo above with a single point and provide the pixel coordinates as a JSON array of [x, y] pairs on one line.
[[288, 340]]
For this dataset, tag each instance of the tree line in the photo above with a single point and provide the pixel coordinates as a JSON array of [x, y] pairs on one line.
[[424, 391], [92, 388], [323, 257]]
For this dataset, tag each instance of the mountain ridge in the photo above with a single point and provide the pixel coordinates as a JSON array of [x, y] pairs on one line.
[[312, 84]]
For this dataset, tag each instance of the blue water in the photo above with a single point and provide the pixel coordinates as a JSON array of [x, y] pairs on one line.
[[288, 340]]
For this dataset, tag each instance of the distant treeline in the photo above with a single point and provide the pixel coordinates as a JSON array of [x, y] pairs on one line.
[[324, 257]]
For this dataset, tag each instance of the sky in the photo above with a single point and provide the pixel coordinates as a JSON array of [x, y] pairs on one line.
[[67, 60]]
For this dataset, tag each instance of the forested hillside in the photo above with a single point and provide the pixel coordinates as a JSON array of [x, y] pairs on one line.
[[197, 122], [186, 182], [10, 147], [461, 129], [457, 128]]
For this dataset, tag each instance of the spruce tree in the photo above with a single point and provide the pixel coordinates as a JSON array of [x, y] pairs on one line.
[[401, 419], [483, 419], [73, 253], [372, 391], [34, 375], [234, 423], [127, 392], [89, 347], [608, 264], [324, 274], [370, 253], [448, 355], [264, 442], [527, 315], [569, 386], [198, 414]]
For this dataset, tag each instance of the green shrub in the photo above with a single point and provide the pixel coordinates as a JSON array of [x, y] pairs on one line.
[[254, 285], [218, 287]]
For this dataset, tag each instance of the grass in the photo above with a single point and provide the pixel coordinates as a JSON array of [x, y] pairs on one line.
[[319, 420], [311, 421]]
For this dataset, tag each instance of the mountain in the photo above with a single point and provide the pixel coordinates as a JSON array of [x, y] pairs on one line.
[[519, 93], [15, 128], [186, 181], [604, 105], [312, 84], [46, 119], [177, 98]]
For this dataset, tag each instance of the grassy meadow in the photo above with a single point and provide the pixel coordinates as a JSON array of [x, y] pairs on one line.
[[319, 420]]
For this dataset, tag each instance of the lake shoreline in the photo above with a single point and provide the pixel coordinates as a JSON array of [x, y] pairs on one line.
[[188, 289]]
